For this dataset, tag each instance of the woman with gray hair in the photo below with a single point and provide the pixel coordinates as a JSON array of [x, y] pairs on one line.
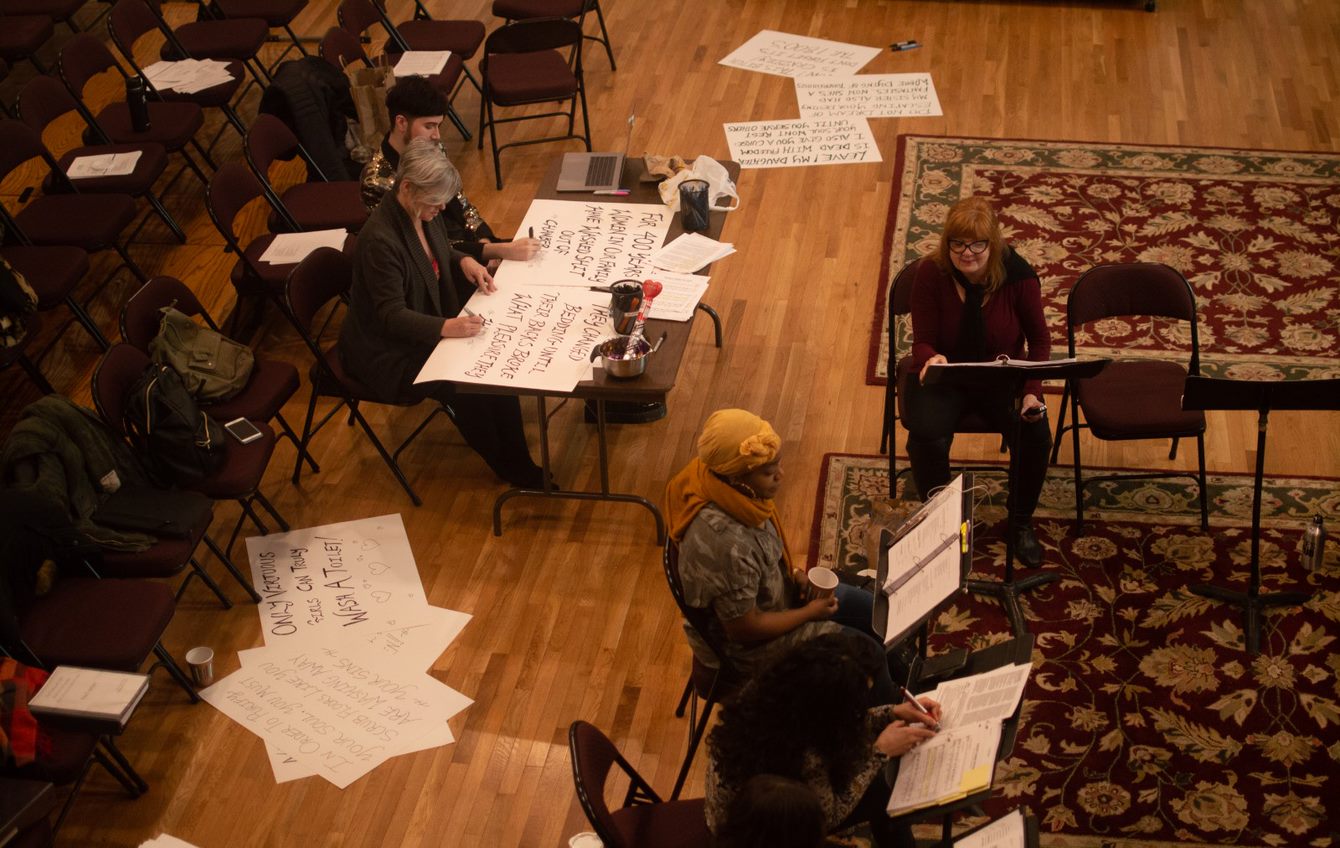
[[403, 300]]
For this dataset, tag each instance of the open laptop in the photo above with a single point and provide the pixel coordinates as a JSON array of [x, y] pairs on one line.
[[595, 171]]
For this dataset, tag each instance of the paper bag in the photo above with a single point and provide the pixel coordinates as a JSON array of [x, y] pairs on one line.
[[368, 87]]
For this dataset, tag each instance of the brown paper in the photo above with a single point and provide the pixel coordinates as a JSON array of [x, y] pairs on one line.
[[368, 87]]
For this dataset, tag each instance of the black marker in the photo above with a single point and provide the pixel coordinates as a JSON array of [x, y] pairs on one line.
[[899, 46]]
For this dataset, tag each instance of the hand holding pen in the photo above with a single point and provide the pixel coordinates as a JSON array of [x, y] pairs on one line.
[[924, 710]]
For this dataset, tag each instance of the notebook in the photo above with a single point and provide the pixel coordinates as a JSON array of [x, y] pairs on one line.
[[595, 171]]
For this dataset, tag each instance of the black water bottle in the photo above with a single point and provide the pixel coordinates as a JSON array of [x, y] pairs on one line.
[[137, 100]]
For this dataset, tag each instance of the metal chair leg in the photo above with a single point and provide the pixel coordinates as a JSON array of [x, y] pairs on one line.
[[232, 568], [274, 513], [166, 661], [198, 570], [165, 216], [1204, 488]]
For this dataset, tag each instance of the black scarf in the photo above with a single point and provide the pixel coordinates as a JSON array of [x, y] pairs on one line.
[[971, 345]]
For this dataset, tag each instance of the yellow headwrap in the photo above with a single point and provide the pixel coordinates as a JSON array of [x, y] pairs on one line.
[[733, 442]]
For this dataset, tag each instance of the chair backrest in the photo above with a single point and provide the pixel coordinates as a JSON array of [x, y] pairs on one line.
[[593, 756], [117, 371], [231, 188], [357, 16], [20, 143], [141, 316], [129, 21], [341, 48], [322, 276], [1136, 288], [42, 100], [534, 35], [701, 619], [81, 59]]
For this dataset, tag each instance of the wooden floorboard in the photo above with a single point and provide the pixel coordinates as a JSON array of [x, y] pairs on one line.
[[571, 615]]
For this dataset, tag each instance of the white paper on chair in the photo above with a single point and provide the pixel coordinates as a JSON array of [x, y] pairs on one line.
[[587, 243], [867, 96], [421, 63], [291, 248], [335, 582], [788, 55], [533, 338], [691, 252], [795, 143], [188, 76], [103, 165]]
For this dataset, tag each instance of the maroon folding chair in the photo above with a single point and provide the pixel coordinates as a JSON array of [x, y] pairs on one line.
[[133, 20], [54, 273], [43, 100], [522, 66], [239, 477], [312, 205], [172, 125], [277, 14], [60, 11], [644, 819], [18, 355], [272, 381], [22, 35], [91, 222], [521, 10], [462, 37], [239, 39]]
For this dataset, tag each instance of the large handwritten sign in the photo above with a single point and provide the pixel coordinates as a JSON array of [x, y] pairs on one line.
[[787, 55], [335, 581], [335, 712], [586, 244], [867, 95], [791, 143], [533, 338]]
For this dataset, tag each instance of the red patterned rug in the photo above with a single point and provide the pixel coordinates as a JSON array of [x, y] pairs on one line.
[[1145, 723], [1256, 233]]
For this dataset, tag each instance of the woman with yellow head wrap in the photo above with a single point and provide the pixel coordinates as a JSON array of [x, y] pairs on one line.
[[733, 554]]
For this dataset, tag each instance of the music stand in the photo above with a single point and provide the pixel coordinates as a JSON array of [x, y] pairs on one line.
[[1208, 393], [1003, 372]]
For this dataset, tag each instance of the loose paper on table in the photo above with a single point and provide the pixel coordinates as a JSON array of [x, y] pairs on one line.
[[795, 143], [787, 55], [691, 252], [951, 765], [421, 63], [291, 248], [867, 96], [679, 295], [103, 165], [1005, 832]]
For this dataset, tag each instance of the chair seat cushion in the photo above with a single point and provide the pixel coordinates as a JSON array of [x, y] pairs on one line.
[[111, 624], [170, 124], [148, 168], [327, 206], [274, 12], [242, 470], [673, 824], [273, 278], [516, 10], [90, 221], [272, 383], [348, 384], [515, 78], [164, 559], [214, 96], [53, 271], [239, 38], [1138, 400], [22, 35], [460, 37]]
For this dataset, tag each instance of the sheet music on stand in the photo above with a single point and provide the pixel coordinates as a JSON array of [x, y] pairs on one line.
[[923, 565], [1005, 832]]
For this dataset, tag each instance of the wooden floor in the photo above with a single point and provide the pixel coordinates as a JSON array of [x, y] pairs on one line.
[[571, 615]]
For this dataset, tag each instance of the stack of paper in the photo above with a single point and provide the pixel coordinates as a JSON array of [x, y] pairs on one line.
[[291, 248], [952, 765], [188, 76], [341, 686], [103, 165], [679, 295], [90, 693], [691, 252], [992, 695], [422, 63], [1005, 832]]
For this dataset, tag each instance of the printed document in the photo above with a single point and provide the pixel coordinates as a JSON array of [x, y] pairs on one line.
[[1005, 832], [990, 696], [103, 165], [422, 63], [679, 295], [289, 248], [953, 765], [691, 252], [924, 562]]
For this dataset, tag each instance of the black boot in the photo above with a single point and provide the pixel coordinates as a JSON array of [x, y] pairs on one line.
[[1026, 545], [930, 464]]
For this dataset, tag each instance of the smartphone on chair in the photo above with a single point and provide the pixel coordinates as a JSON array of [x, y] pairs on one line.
[[243, 430]]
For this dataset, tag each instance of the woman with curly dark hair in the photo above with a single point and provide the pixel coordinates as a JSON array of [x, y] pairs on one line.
[[810, 716]]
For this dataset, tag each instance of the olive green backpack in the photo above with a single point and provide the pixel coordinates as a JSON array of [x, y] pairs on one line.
[[213, 366]]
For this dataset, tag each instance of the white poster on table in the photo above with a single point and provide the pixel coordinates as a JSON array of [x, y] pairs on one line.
[[868, 96], [335, 582], [533, 338], [585, 243], [787, 55], [335, 712], [796, 143]]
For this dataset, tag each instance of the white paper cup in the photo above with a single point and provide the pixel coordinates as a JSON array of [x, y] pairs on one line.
[[823, 582], [201, 662], [585, 840]]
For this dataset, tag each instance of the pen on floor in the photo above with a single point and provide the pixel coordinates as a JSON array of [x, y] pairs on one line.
[[899, 46], [916, 705]]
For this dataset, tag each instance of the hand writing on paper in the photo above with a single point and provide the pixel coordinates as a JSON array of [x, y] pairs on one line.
[[937, 359], [478, 275], [900, 737], [929, 707], [462, 327], [522, 249]]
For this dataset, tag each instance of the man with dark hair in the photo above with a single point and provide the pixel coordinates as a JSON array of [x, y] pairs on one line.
[[417, 108]]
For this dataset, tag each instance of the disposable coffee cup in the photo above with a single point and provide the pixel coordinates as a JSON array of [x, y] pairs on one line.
[[201, 662], [693, 205], [823, 582], [585, 840]]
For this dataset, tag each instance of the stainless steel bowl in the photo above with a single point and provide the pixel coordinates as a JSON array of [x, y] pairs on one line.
[[621, 360]]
